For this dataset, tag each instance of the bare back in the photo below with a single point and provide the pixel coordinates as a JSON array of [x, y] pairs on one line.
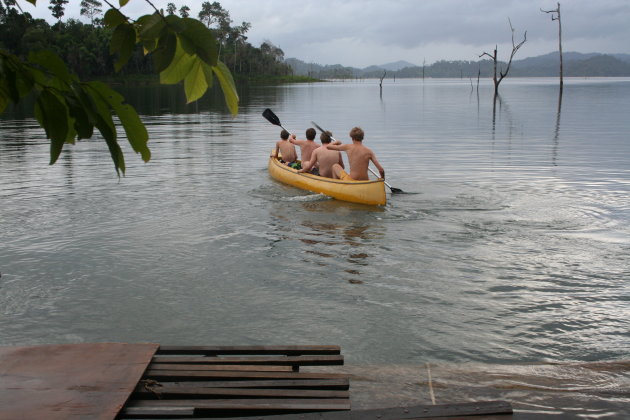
[[359, 158], [326, 158], [287, 150], [307, 147]]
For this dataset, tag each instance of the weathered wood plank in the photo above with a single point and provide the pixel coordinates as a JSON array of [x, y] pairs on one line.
[[457, 410], [250, 360], [170, 412], [204, 367], [162, 391], [338, 383], [272, 404], [259, 350], [194, 375]]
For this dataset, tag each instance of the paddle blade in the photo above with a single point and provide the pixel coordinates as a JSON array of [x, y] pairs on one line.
[[396, 190], [318, 127], [271, 117]]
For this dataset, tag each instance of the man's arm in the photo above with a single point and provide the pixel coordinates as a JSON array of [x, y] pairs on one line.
[[275, 152], [307, 167], [339, 147], [341, 161], [378, 166]]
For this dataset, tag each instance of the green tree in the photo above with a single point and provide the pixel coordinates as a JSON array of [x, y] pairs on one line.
[[171, 8], [184, 11], [91, 9], [182, 50], [58, 7], [213, 12]]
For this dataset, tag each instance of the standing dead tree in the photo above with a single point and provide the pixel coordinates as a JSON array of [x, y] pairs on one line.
[[555, 15], [381, 84], [502, 74]]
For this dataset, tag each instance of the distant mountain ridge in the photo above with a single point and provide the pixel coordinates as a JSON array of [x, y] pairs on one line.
[[575, 64]]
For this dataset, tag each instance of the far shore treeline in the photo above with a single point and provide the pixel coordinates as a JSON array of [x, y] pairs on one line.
[[576, 65], [85, 47]]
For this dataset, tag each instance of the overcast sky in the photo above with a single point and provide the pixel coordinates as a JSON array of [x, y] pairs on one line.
[[359, 33]]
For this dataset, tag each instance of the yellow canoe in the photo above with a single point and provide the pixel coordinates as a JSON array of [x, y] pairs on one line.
[[370, 192]]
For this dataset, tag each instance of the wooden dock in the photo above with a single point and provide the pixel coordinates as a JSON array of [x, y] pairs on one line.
[[147, 381], [211, 381]]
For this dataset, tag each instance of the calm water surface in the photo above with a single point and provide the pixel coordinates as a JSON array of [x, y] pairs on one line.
[[513, 247]]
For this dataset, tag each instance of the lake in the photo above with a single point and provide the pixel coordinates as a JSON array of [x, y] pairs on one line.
[[512, 246]]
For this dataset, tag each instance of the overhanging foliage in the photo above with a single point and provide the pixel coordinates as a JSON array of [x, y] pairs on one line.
[[182, 49]]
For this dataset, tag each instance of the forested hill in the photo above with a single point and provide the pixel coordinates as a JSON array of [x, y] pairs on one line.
[[575, 65], [84, 47]]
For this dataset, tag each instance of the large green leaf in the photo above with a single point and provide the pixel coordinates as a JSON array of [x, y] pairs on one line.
[[123, 42], [135, 130], [78, 111], [165, 51], [123, 2], [202, 38], [52, 114], [179, 68], [102, 113], [195, 84], [151, 27], [51, 62], [228, 86], [105, 126], [149, 45], [116, 154], [113, 18]]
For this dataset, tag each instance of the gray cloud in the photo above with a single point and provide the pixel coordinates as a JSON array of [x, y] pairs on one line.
[[362, 32]]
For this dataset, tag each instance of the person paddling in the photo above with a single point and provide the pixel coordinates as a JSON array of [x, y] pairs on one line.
[[306, 146], [323, 157], [359, 158], [286, 150]]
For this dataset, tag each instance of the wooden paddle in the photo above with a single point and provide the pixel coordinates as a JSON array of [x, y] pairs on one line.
[[393, 189]]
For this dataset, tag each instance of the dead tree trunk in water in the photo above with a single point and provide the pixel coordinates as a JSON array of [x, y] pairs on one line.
[[424, 62], [502, 75], [381, 84], [555, 15]]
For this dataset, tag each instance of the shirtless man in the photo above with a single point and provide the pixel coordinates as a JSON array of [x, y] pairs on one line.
[[306, 146], [324, 157], [359, 158], [286, 149]]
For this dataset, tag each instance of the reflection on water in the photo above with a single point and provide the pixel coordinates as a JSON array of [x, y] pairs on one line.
[[514, 248], [338, 241]]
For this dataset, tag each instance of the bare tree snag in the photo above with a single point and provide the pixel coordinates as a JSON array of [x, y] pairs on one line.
[[503, 74], [555, 15], [424, 62], [381, 84]]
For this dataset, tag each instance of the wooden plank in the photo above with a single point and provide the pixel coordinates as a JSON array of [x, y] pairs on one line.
[[70, 380], [165, 391], [253, 350], [338, 383], [271, 404], [200, 375], [457, 410], [205, 367], [176, 412], [316, 360]]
